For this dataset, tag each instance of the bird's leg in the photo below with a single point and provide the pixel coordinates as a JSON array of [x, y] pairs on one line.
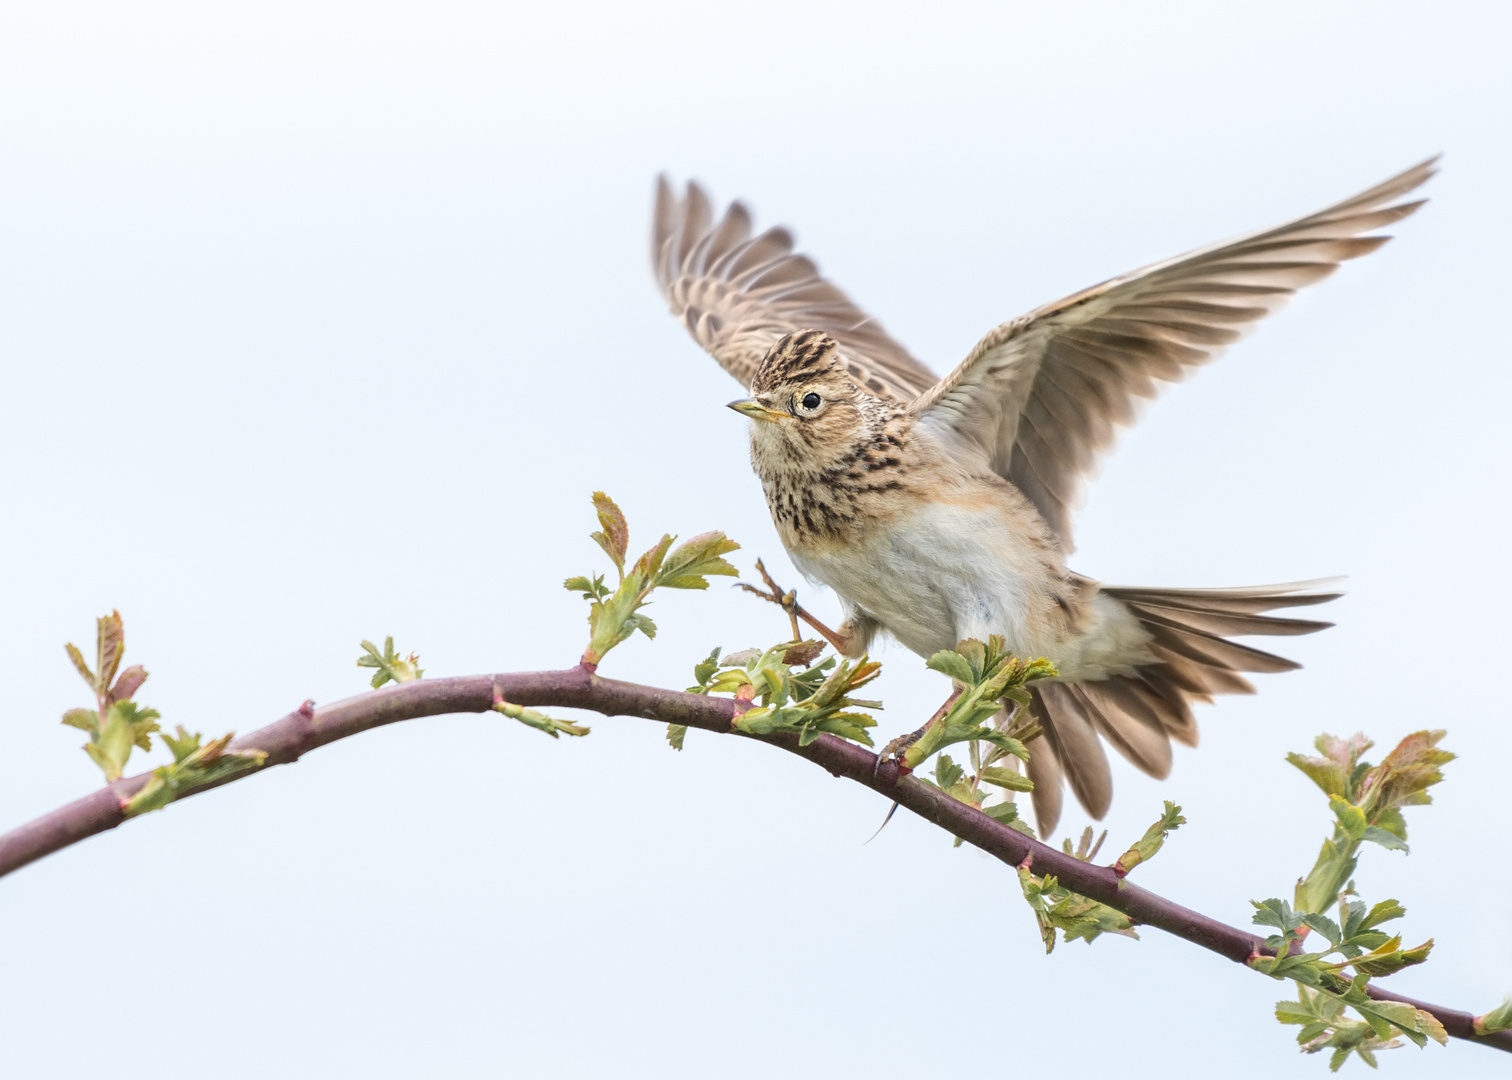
[[788, 602], [895, 750]]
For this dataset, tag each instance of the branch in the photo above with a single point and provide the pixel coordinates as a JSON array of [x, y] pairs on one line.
[[307, 728]]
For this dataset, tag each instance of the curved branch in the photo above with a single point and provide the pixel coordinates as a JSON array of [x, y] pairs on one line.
[[581, 688]]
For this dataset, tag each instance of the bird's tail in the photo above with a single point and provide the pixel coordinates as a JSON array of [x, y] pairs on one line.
[[1140, 713]]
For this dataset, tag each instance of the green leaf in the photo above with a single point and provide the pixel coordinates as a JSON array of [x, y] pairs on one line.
[[703, 672], [691, 563], [1392, 821], [1277, 913], [1416, 1024], [1155, 836], [1325, 926], [953, 664], [183, 745], [1006, 813], [1351, 818], [947, 772], [1377, 835], [142, 722], [78, 662], [1290, 1012], [1389, 957], [1498, 1019], [1007, 778], [676, 733], [1385, 911], [83, 719], [591, 588], [125, 725]]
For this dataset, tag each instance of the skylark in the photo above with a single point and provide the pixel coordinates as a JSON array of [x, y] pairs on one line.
[[940, 509]]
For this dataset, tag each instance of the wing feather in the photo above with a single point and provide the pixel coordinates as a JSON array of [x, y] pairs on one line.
[[737, 295], [1041, 397]]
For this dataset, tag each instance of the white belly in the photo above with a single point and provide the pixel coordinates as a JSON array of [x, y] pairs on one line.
[[939, 575]]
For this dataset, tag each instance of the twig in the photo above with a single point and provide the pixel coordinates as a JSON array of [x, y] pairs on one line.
[[307, 728]]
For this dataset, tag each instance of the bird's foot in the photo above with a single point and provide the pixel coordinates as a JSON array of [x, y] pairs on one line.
[[787, 600], [896, 751]]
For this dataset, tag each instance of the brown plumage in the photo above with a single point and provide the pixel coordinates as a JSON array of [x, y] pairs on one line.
[[940, 510]]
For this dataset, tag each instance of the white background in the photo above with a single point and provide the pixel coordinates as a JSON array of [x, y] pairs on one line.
[[320, 323]]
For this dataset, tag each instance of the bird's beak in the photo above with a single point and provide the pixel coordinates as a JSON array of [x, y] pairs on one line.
[[756, 410]]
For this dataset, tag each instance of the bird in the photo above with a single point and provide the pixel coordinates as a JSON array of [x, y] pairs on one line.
[[940, 509]]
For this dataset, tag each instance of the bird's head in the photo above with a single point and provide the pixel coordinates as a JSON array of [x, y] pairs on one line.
[[804, 405]]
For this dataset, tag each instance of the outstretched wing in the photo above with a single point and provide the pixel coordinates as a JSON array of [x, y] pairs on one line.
[[738, 294], [1043, 396]]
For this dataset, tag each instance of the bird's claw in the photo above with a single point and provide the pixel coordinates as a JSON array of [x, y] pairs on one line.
[[893, 753], [787, 600]]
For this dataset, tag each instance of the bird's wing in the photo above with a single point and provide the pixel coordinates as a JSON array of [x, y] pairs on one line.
[[1043, 396], [738, 294]]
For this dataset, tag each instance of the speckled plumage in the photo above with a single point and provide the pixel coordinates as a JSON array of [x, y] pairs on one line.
[[941, 509], [847, 482]]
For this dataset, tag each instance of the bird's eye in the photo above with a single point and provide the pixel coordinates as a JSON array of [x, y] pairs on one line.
[[811, 401]]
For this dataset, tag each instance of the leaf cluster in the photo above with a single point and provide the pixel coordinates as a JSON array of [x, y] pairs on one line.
[[953, 781], [1371, 952], [1075, 916], [988, 675], [614, 615], [1366, 801], [1325, 1026], [391, 666], [792, 695], [117, 725], [194, 765]]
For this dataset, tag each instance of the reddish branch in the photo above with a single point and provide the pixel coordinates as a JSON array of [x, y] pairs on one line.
[[307, 728]]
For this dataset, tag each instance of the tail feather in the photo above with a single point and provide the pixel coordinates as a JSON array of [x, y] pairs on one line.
[[1123, 721], [1224, 623], [1172, 706], [1074, 738], [1044, 769], [1245, 600], [1200, 681], [1139, 713]]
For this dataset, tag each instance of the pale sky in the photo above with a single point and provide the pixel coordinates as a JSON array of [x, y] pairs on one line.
[[321, 323]]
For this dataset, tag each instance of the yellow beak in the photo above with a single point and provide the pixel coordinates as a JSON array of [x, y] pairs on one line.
[[756, 410]]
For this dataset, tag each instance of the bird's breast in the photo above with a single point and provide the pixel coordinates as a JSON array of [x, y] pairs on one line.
[[942, 570]]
